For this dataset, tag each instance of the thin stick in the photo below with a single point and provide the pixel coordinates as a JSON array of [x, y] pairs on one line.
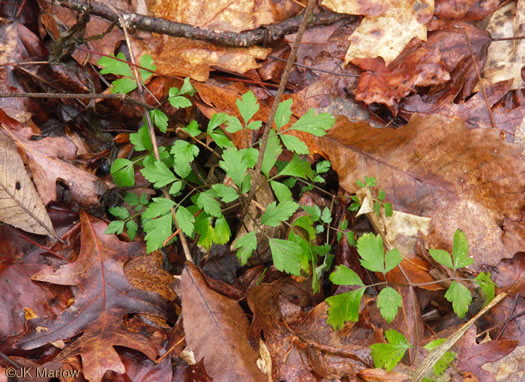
[[492, 122], [282, 85], [434, 356], [121, 97]]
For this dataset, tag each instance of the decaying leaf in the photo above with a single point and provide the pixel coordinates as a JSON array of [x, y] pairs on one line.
[[387, 28], [506, 58], [102, 299], [440, 169], [217, 331], [20, 204], [49, 159], [224, 15], [311, 345]]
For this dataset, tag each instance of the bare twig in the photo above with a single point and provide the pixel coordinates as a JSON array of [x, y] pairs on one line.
[[282, 85], [121, 97], [262, 35], [492, 122]]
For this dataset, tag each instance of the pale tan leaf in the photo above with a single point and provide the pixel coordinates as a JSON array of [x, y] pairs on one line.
[[506, 58], [20, 205], [216, 329], [387, 28]]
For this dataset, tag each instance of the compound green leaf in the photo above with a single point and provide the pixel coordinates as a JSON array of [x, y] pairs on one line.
[[123, 172], [275, 213], [314, 124], [283, 114], [247, 106], [226, 193], [141, 140], [297, 167], [345, 276], [392, 259], [186, 220], [119, 212], [158, 173], [287, 256], [294, 144], [245, 245], [460, 250], [234, 165], [460, 298], [344, 307], [388, 302], [132, 228], [370, 249], [183, 153], [115, 227], [282, 192], [158, 230], [442, 257], [158, 206], [272, 152], [388, 355], [206, 200], [487, 286]]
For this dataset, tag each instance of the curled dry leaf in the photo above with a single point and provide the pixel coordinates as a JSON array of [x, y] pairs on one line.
[[20, 204], [216, 330], [387, 28], [439, 168]]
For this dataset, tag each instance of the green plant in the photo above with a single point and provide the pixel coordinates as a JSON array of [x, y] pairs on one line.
[[371, 182], [198, 207]]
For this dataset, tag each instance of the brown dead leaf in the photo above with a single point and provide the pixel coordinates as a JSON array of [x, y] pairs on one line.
[[185, 57], [20, 204], [305, 336], [506, 58], [217, 331], [22, 293], [387, 28], [465, 9], [434, 167], [50, 160], [475, 111], [415, 66], [472, 356], [224, 15], [102, 299]]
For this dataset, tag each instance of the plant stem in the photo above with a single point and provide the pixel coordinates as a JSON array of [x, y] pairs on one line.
[[282, 85]]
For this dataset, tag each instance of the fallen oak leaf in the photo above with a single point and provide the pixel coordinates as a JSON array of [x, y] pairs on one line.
[[102, 298]]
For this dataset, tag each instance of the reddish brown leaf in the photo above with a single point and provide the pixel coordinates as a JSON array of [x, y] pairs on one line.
[[461, 178], [330, 354], [217, 331], [472, 356], [49, 159], [415, 66], [102, 299]]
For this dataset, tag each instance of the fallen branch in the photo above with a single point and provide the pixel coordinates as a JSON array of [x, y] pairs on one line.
[[263, 35]]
